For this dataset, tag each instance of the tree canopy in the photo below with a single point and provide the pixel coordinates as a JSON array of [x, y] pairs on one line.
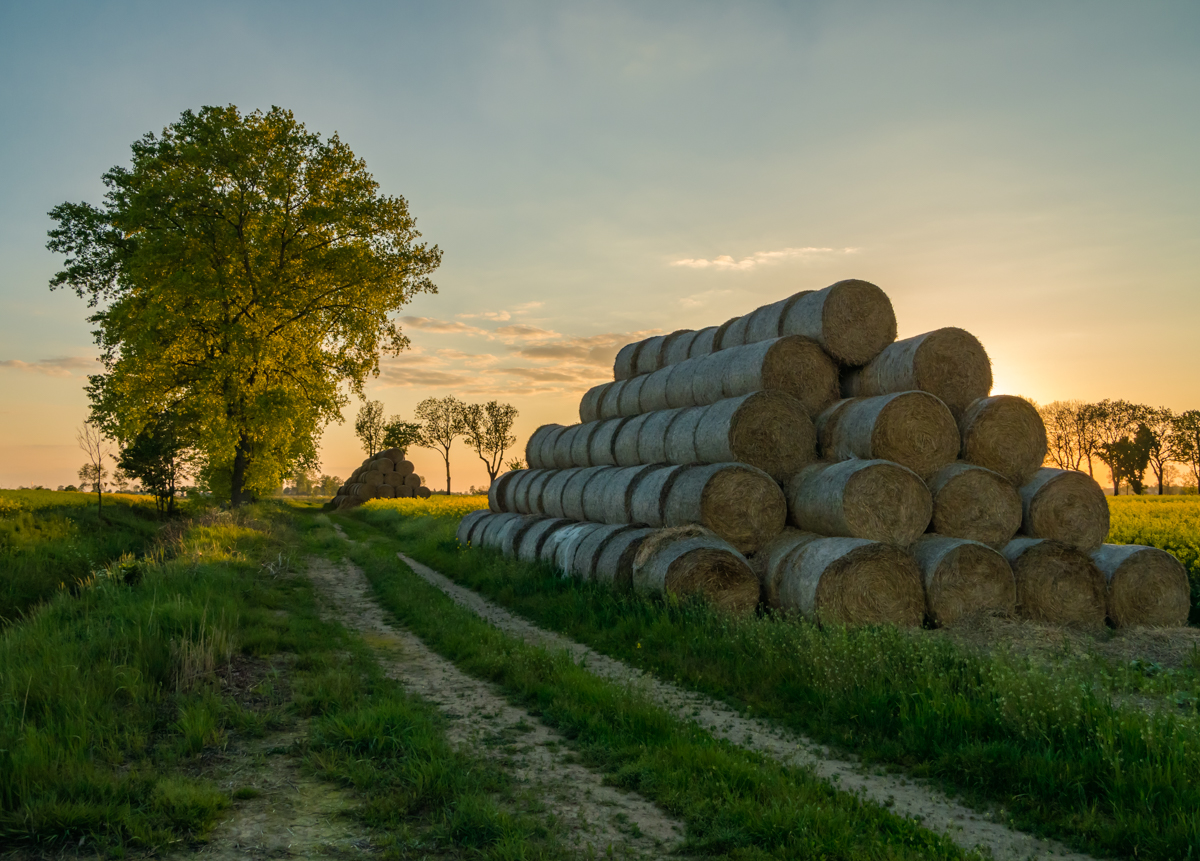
[[243, 271], [488, 430]]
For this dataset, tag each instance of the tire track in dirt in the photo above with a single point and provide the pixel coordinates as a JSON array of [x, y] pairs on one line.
[[589, 813], [914, 799]]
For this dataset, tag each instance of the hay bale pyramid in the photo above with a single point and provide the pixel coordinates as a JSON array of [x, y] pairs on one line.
[[386, 475], [802, 459]]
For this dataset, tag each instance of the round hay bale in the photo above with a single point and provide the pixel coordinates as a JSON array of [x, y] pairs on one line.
[[738, 503], [719, 341], [575, 488], [405, 492], [652, 436], [627, 400], [487, 534], [974, 503], [648, 356], [593, 545], [1146, 586], [1056, 583], [677, 350], [793, 365], [768, 430], [767, 322], [360, 491], [708, 381], [395, 455], [735, 332], [668, 343], [568, 549], [350, 502], [594, 496], [371, 478], [680, 382], [948, 363], [1005, 434], [614, 565], [529, 548], [552, 493], [463, 533], [537, 454], [385, 491], [686, 564], [514, 531], [497, 499], [648, 497], [626, 361], [512, 489], [581, 444], [423, 492], [964, 579], [602, 445], [528, 494], [382, 465], [1064, 505], [913, 429], [680, 444], [563, 443], [589, 406], [617, 503], [404, 467], [625, 447], [852, 581], [852, 320], [873, 499], [653, 395], [770, 561], [610, 403], [412, 480], [549, 553]]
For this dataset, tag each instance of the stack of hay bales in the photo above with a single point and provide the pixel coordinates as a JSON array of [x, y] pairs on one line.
[[856, 478], [386, 475]]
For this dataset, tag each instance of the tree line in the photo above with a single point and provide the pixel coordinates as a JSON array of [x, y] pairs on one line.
[[1127, 438]]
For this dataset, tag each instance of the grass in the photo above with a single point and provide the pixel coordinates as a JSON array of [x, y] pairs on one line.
[[1171, 523], [1053, 745], [735, 803]]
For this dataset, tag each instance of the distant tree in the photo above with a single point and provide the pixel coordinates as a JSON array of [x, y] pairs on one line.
[[89, 479], [329, 485], [369, 426], [1159, 423], [92, 440], [249, 269], [1063, 433], [401, 435], [441, 423], [120, 480], [1128, 458], [1115, 422], [1185, 442], [515, 464], [489, 432], [160, 458]]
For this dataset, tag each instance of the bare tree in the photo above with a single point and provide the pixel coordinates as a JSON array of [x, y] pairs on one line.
[[91, 440], [370, 427], [1159, 423], [441, 422], [1065, 447], [489, 432]]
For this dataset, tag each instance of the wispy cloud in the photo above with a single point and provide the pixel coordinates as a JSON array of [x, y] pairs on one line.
[[431, 324], [527, 306], [498, 316], [64, 366], [526, 333], [760, 258]]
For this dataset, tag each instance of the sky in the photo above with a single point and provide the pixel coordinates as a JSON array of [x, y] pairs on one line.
[[594, 172]]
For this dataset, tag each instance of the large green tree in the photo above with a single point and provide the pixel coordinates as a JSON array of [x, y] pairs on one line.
[[245, 272]]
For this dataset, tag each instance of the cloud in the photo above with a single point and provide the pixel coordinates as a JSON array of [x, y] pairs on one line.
[[527, 306], [498, 316], [421, 378], [430, 324], [59, 367], [597, 350], [759, 258], [527, 333]]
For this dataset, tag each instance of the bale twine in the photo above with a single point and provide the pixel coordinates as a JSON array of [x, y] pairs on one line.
[[852, 320], [511, 535], [589, 406], [964, 579], [768, 430], [575, 488], [627, 399], [463, 533], [680, 382], [949, 363], [528, 496], [1146, 586], [873, 499], [697, 565], [563, 443], [588, 554], [1064, 505], [648, 357], [568, 548], [1056, 583], [653, 394], [680, 444], [412, 480], [529, 549], [625, 447], [852, 581], [652, 436], [648, 495], [738, 503], [704, 342], [497, 500], [974, 503], [616, 505], [913, 429], [602, 445], [678, 348], [405, 467], [626, 361], [581, 444], [371, 478], [552, 493], [770, 561], [1005, 434], [537, 455], [614, 565]]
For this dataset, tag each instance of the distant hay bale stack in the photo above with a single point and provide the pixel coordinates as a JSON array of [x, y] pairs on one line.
[[405, 467], [575, 489], [974, 503], [648, 357], [680, 563], [648, 495], [913, 429], [628, 398], [768, 430], [625, 446], [948, 363], [652, 436], [552, 493], [852, 581], [770, 560], [591, 547], [873, 499], [1146, 586], [385, 491], [405, 492], [679, 347], [1066, 506], [463, 533], [626, 361], [581, 444], [603, 441], [371, 478], [610, 402], [964, 579], [412, 480], [589, 405], [539, 451], [614, 565], [499, 493], [1005, 434], [852, 320], [529, 549], [383, 465], [680, 446], [740, 504], [423, 492], [1056, 583]]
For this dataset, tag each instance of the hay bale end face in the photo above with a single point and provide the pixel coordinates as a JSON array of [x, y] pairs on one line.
[[1005, 434], [1056, 583], [852, 320], [974, 503], [681, 563], [964, 579], [740, 504], [913, 429], [873, 499], [767, 430], [852, 581], [1146, 586], [1064, 505]]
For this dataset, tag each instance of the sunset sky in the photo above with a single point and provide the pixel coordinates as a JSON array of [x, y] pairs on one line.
[[596, 172]]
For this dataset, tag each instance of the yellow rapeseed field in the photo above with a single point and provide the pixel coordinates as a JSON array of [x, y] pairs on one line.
[[1171, 523], [435, 505]]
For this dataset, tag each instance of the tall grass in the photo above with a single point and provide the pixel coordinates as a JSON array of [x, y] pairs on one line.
[[1171, 523]]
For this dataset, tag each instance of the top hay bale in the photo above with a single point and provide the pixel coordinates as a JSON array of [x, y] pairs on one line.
[[1064, 505], [1004, 434]]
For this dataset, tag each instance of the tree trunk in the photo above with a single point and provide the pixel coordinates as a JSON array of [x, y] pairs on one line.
[[241, 459]]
